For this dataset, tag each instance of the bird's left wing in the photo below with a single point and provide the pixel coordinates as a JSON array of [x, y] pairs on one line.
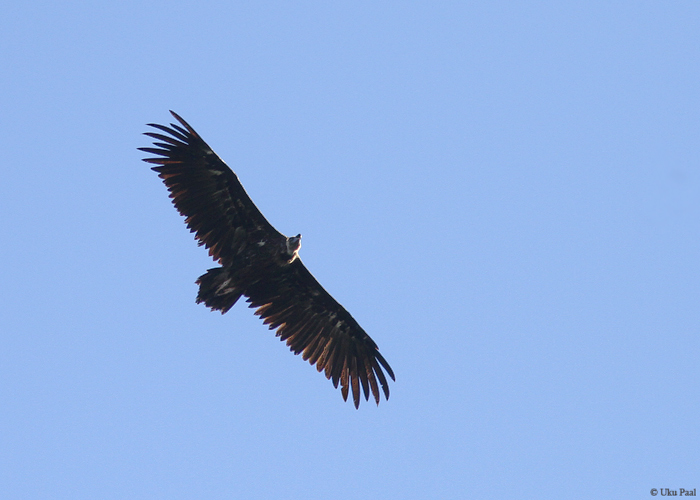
[[316, 326]]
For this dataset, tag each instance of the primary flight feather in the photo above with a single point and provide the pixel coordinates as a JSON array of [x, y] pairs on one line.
[[262, 264]]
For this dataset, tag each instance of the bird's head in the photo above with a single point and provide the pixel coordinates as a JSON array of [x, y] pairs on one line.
[[293, 245]]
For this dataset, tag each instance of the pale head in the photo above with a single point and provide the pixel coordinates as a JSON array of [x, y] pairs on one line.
[[293, 246]]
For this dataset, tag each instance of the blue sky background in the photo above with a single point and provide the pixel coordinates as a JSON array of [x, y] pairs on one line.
[[505, 195]]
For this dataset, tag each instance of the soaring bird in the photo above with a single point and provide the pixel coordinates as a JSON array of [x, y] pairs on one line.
[[262, 264]]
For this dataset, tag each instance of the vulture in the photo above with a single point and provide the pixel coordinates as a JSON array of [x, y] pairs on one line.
[[261, 264]]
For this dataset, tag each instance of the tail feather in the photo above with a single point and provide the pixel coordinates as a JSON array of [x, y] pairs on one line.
[[217, 289]]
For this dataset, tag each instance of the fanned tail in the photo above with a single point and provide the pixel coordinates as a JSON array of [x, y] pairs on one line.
[[217, 290]]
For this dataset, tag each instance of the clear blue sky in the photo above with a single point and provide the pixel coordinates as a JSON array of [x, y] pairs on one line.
[[506, 195]]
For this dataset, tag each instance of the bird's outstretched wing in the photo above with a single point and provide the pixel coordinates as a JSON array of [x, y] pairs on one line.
[[206, 191], [316, 326], [287, 297]]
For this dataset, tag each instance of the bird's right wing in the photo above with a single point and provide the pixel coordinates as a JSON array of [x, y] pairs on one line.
[[207, 192]]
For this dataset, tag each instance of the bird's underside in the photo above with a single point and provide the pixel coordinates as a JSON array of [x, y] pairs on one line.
[[263, 265]]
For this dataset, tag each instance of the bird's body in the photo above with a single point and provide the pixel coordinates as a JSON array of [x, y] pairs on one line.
[[262, 264]]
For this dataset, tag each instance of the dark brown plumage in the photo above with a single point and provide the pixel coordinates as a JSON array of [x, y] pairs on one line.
[[262, 264]]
